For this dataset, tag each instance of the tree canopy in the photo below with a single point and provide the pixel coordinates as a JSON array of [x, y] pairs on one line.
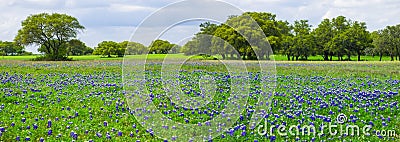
[[50, 31], [107, 48], [76, 47], [163, 47], [11, 48]]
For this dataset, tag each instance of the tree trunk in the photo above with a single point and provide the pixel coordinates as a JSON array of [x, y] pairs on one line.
[[391, 56], [349, 57], [398, 55], [223, 56], [380, 57], [326, 56], [267, 57], [288, 57]]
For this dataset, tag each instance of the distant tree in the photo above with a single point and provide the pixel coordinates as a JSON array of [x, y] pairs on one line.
[[338, 42], [76, 47], [134, 48], [303, 41], [360, 39], [324, 34], [380, 43], [234, 33], [120, 50], [387, 42], [11, 48], [394, 32], [163, 47], [190, 47], [50, 31], [107, 48], [288, 48], [88, 51]]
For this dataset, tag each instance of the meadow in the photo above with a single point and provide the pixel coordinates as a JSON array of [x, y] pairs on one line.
[[85, 100]]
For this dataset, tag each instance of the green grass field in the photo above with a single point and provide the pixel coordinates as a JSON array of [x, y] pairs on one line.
[[85, 100]]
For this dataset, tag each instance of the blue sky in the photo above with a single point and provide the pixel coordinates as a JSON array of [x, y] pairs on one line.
[[117, 19]]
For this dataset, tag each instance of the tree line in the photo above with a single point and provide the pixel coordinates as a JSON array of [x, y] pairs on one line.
[[338, 38], [109, 48]]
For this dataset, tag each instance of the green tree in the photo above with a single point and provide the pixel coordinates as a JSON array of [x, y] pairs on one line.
[[107, 48], [288, 46], [76, 47], [162, 47], [134, 48], [303, 40], [360, 38], [50, 31], [387, 41], [233, 33], [11, 48], [324, 34], [394, 39], [88, 51], [380, 43], [338, 42]]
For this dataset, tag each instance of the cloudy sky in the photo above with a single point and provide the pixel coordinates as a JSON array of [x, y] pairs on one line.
[[118, 19]]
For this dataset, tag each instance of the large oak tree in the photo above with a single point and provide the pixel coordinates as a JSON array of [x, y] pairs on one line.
[[50, 31]]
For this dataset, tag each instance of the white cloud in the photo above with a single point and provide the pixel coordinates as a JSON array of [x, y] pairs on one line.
[[129, 8], [376, 13]]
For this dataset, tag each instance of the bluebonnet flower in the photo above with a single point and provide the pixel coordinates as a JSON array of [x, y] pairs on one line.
[[243, 133], [35, 126], [131, 134], [50, 132], [98, 134], [108, 136], [48, 123]]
